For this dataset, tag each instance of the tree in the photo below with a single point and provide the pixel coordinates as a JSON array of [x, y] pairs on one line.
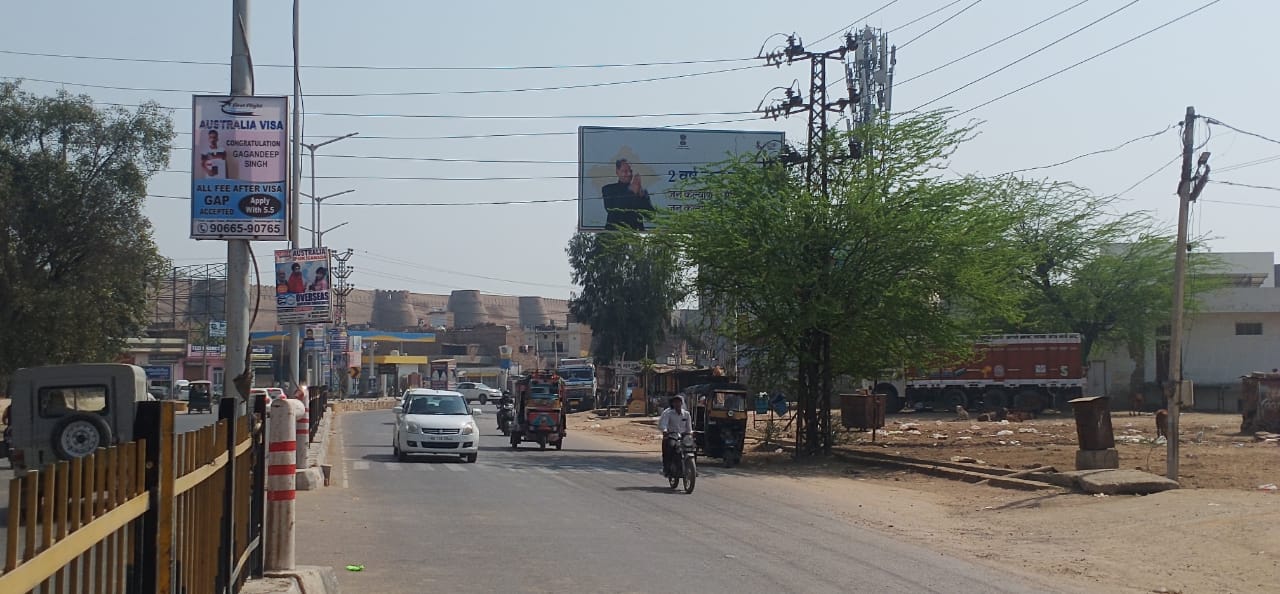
[[1106, 276], [76, 252], [630, 285], [894, 266]]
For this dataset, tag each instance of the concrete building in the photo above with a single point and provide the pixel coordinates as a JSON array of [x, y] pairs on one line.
[[1233, 331]]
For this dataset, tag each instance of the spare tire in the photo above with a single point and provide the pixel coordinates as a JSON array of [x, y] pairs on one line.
[[78, 435]]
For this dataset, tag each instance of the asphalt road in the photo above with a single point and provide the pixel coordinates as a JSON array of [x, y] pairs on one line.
[[595, 517]]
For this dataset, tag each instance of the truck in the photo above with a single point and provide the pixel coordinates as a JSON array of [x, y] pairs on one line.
[[579, 377], [1029, 372], [540, 414]]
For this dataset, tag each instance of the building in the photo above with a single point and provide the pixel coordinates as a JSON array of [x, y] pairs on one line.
[[1231, 332]]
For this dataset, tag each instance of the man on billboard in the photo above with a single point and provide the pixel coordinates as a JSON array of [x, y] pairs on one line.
[[213, 158], [297, 284], [624, 199]]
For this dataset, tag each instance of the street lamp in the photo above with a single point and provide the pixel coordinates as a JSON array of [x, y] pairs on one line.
[[311, 149], [315, 213], [319, 241]]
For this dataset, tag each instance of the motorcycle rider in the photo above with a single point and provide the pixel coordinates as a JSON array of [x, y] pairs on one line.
[[674, 423], [506, 401]]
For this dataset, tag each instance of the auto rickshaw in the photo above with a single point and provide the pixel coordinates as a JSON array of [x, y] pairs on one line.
[[201, 396], [719, 420]]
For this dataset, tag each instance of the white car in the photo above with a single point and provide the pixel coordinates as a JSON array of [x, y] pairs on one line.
[[435, 423], [476, 391]]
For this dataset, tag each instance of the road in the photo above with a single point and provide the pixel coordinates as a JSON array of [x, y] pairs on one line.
[[595, 517]]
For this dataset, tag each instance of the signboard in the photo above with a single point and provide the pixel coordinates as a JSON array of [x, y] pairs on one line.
[[625, 171], [338, 340], [195, 350], [443, 374], [313, 337], [218, 329], [239, 168], [302, 286], [262, 352], [158, 373]]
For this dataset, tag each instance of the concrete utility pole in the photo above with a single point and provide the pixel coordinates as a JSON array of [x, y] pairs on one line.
[[1189, 188], [238, 254]]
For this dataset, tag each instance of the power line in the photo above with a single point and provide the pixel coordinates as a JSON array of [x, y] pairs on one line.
[[1235, 203], [856, 21], [921, 18], [1243, 185], [475, 203], [478, 117], [1149, 176], [994, 43], [1090, 58], [1022, 59], [944, 21], [397, 261], [1245, 132], [1254, 163], [223, 63], [407, 93], [1092, 153]]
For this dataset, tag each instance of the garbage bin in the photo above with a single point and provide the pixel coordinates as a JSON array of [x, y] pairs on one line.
[[863, 411], [1093, 422]]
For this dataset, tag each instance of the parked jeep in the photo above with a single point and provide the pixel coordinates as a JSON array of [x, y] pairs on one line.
[[61, 412]]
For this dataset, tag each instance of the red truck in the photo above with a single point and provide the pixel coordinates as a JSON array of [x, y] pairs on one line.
[[1016, 371]]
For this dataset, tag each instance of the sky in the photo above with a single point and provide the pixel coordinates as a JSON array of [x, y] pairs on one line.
[[436, 245]]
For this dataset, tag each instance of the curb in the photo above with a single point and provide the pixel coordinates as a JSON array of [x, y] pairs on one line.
[[312, 477]]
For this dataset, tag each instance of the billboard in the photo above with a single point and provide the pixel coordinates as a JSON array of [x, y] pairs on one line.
[[302, 286], [623, 171], [313, 337], [239, 168]]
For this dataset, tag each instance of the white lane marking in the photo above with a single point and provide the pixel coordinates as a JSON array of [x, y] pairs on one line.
[[361, 465], [545, 470], [514, 469], [455, 467], [392, 465], [423, 467]]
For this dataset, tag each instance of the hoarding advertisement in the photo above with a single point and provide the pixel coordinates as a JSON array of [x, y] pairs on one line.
[[625, 171], [302, 287], [313, 337], [240, 168]]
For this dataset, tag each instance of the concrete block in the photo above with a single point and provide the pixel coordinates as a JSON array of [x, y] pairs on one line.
[[272, 585], [1097, 459], [311, 579], [1121, 482], [308, 479]]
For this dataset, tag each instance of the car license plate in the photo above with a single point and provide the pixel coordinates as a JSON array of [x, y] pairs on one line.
[[437, 438]]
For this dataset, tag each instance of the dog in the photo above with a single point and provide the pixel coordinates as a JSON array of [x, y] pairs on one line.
[[1136, 402], [995, 415], [1017, 416], [961, 413], [1162, 424]]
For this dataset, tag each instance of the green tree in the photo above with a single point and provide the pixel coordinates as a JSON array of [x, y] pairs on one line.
[[896, 265], [76, 252], [1090, 270], [630, 285]]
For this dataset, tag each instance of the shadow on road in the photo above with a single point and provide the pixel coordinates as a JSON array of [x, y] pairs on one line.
[[648, 489]]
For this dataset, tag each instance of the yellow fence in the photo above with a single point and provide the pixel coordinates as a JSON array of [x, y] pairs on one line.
[[170, 512]]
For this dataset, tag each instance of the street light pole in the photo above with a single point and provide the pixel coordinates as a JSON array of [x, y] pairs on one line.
[[311, 149], [320, 235], [316, 202]]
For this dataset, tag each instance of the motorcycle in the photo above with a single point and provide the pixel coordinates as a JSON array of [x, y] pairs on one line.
[[506, 415], [687, 470]]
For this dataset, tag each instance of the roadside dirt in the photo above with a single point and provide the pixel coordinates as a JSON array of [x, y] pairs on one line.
[[1223, 535]]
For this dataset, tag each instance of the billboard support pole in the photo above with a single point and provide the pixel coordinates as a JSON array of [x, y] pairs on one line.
[[238, 251], [295, 203]]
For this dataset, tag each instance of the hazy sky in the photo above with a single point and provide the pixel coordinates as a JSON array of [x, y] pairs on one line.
[[1208, 60]]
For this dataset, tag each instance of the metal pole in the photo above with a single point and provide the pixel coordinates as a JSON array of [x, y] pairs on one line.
[[295, 201]]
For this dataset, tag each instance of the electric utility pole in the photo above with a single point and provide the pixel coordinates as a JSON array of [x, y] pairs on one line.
[[341, 290], [238, 253], [295, 203], [813, 423], [1189, 187]]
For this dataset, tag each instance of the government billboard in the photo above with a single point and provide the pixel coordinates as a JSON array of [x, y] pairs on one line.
[[240, 168], [623, 172]]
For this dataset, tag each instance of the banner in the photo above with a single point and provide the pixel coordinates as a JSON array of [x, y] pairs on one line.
[[623, 172], [302, 286], [313, 337], [338, 340], [240, 168]]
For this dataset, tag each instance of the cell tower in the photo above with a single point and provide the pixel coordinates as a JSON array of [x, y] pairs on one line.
[[869, 76]]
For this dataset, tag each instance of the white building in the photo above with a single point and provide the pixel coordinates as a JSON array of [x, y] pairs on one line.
[[1233, 331]]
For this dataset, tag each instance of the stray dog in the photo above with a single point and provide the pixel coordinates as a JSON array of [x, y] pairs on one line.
[[961, 413], [1017, 416], [995, 415], [1162, 424], [1136, 402]]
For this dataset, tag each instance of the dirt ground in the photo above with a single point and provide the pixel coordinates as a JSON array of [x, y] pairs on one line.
[[1222, 535]]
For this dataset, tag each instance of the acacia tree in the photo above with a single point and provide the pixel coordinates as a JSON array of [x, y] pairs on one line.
[[630, 285], [895, 265], [76, 252]]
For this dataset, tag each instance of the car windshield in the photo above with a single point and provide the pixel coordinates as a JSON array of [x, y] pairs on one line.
[[437, 405], [577, 374]]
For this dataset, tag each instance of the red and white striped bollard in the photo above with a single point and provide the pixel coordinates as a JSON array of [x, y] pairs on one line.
[[282, 472]]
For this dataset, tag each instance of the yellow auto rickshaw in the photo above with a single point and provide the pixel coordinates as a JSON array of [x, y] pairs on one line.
[[719, 420]]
